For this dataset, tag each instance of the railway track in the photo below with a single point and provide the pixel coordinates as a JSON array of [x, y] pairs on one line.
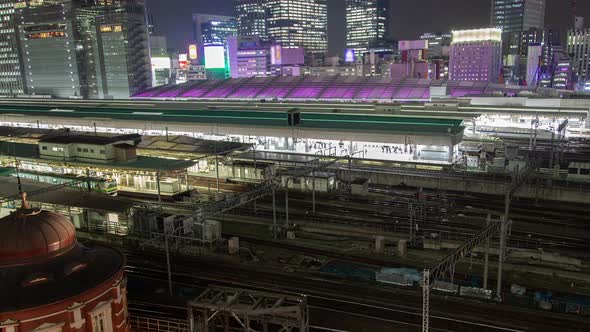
[[332, 301]]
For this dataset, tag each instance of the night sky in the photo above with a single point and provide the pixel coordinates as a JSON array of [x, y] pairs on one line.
[[173, 18]]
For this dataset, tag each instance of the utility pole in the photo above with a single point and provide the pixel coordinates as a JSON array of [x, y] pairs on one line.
[[274, 214], [487, 256]]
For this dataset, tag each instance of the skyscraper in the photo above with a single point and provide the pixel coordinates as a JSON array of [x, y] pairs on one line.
[[11, 80], [521, 21], [213, 29], [366, 24], [291, 23], [86, 49], [578, 45], [252, 15], [299, 23], [476, 55], [517, 15]]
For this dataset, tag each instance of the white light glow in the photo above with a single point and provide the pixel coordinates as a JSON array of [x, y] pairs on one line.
[[475, 35]]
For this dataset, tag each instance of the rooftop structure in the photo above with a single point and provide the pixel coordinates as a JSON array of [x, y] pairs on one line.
[[50, 281]]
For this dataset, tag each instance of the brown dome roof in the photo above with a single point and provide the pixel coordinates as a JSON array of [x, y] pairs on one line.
[[29, 235]]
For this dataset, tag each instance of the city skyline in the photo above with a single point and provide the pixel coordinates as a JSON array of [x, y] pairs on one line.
[[433, 18]]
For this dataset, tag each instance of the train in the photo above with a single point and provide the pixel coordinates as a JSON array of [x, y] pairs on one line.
[[515, 133], [578, 172], [97, 184]]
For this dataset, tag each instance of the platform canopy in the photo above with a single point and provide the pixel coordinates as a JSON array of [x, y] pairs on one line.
[[329, 88]]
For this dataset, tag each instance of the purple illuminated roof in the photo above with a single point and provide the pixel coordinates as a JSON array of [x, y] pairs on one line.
[[324, 88]]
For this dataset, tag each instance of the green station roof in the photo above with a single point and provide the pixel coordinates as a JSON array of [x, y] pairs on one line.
[[361, 122]]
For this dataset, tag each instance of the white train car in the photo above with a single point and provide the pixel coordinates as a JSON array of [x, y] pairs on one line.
[[579, 172]]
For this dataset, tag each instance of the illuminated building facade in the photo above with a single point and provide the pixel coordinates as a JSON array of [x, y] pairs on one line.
[[522, 23], [517, 15], [251, 16], [212, 30], [291, 23], [476, 55], [366, 24], [299, 23], [84, 49], [578, 45], [11, 79]]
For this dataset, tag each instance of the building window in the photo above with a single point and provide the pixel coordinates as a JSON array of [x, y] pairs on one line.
[[85, 150], [102, 152], [44, 148], [79, 149], [91, 150], [102, 320], [57, 149]]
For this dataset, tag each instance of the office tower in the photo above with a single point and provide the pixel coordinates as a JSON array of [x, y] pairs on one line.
[[84, 49], [521, 21], [299, 23], [476, 55], [11, 78], [251, 16], [578, 45], [291, 23], [517, 15], [123, 49], [366, 24], [48, 46], [438, 44], [213, 29]]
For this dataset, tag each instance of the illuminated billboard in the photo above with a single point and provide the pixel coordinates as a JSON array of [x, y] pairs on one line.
[[183, 61], [275, 55], [192, 52], [349, 55], [214, 57]]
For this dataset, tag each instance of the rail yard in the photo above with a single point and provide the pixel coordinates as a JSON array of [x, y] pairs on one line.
[[384, 216]]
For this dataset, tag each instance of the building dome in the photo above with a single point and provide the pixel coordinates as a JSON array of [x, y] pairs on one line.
[[30, 235]]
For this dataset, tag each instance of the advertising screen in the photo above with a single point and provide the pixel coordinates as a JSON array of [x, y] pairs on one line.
[[275, 55], [349, 55], [214, 57], [183, 61]]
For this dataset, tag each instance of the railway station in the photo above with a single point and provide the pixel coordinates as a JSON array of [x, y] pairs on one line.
[[297, 184]]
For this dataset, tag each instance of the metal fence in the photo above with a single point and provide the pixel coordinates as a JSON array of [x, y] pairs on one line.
[[150, 324]]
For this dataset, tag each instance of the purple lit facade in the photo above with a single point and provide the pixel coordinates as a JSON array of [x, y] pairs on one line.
[[476, 55], [342, 88]]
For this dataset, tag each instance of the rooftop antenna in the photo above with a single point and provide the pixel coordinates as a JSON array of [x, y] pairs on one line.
[[574, 12]]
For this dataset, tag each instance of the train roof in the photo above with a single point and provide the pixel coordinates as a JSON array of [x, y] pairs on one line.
[[361, 121]]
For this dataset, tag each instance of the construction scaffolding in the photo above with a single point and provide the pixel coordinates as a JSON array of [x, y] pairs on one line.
[[232, 309]]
